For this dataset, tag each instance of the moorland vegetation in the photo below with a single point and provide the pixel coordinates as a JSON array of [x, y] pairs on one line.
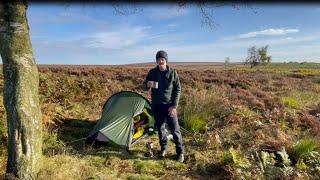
[[238, 123]]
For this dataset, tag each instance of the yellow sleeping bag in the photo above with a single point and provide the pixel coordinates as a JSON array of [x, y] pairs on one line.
[[139, 132]]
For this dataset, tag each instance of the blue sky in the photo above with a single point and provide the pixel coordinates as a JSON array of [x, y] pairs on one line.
[[97, 34]]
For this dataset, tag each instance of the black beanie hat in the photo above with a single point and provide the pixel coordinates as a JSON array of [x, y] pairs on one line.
[[162, 54]]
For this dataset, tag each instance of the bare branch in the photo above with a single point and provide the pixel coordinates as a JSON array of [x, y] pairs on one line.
[[120, 9], [207, 17], [207, 9]]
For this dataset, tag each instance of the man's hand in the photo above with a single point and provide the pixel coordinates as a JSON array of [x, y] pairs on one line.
[[149, 84], [172, 111]]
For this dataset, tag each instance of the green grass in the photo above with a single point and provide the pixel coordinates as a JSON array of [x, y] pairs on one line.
[[52, 144], [133, 176], [301, 165], [292, 65], [70, 167], [291, 102], [302, 99], [194, 123], [303, 147], [149, 167]]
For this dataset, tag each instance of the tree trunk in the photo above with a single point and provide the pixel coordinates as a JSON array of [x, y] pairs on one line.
[[21, 93]]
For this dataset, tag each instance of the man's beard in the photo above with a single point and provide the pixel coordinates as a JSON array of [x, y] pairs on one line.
[[162, 67]]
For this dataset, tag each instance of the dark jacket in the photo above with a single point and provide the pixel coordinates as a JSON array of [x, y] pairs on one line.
[[168, 91]]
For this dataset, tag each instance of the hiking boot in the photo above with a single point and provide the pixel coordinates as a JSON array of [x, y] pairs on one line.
[[162, 153], [181, 158]]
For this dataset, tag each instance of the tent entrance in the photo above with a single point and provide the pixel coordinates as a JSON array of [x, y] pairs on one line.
[[142, 125]]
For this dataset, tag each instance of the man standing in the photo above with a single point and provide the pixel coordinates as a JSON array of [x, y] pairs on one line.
[[165, 94]]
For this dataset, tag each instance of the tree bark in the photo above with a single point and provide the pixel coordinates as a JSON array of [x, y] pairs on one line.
[[21, 93]]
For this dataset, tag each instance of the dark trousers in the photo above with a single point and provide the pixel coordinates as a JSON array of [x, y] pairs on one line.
[[161, 113]]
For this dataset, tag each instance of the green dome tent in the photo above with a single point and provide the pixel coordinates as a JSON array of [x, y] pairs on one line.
[[126, 118]]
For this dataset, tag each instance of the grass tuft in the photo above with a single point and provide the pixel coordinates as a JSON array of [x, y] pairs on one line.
[[149, 167], [130, 176], [291, 102], [52, 144], [303, 147], [301, 165], [194, 123]]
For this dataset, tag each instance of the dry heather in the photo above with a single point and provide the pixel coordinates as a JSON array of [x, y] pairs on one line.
[[238, 123]]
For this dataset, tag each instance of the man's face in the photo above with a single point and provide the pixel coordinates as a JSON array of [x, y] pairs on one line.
[[161, 62]]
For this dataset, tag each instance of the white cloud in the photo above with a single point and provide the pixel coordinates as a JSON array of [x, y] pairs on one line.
[[266, 32], [117, 39]]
